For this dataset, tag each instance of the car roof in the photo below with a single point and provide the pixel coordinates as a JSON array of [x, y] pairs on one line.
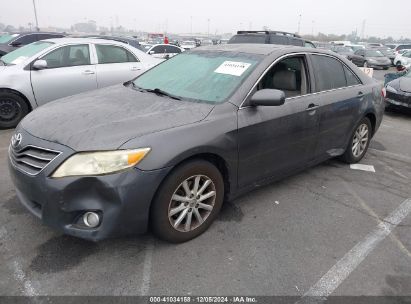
[[82, 40], [251, 48], [30, 33]]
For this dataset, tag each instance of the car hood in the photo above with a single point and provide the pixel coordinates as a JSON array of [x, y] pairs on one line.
[[405, 84], [379, 58], [107, 118]]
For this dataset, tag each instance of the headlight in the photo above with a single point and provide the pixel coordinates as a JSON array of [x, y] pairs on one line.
[[391, 89], [99, 163]]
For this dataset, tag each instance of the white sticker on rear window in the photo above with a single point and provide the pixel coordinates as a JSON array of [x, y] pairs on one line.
[[232, 68]]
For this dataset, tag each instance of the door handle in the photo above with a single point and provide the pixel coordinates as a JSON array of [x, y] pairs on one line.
[[360, 95], [312, 107], [88, 72], [135, 69]]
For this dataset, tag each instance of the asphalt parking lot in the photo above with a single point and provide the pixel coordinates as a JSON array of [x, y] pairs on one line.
[[323, 230]]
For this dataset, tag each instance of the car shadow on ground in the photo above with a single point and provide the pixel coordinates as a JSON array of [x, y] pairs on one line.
[[397, 112]]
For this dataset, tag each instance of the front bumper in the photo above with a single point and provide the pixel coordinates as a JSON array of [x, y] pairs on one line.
[[401, 100], [379, 65], [122, 199]]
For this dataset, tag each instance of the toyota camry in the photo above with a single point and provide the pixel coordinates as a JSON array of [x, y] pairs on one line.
[[167, 149]]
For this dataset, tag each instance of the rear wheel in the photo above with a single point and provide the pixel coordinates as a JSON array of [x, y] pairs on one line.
[[359, 142], [12, 109], [188, 202], [365, 64]]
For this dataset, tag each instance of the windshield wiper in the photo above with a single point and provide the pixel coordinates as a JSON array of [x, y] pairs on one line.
[[157, 91]]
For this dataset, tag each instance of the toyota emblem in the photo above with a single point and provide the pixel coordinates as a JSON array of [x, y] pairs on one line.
[[16, 140]]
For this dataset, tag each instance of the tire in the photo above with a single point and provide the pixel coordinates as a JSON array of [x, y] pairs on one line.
[[365, 65], [351, 155], [12, 109], [169, 217]]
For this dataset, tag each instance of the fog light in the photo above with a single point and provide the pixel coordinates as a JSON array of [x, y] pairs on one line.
[[91, 219]]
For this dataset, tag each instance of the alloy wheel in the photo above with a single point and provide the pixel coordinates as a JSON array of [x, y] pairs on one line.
[[360, 140], [192, 203]]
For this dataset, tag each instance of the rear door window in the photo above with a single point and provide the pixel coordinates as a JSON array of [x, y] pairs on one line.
[[113, 54], [251, 38], [279, 39], [329, 73]]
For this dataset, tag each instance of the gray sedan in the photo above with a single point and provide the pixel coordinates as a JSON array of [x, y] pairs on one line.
[[208, 125], [51, 69]]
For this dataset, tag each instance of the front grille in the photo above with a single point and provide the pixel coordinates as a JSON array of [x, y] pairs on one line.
[[399, 97], [32, 160]]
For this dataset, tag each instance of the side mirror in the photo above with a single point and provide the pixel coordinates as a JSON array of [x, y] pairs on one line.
[[151, 52], [268, 97], [40, 64]]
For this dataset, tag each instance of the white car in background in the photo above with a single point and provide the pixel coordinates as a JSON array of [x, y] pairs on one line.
[[403, 58], [164, 51], [188, 44], [50, 69]]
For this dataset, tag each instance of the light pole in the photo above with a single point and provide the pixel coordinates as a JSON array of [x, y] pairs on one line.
[[35, 15], [208, 31], [299, 23], [312, 28], [191, 25]]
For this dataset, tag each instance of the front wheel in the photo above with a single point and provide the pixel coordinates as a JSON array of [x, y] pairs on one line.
[[359, 142], [12, 109], [187, 202]]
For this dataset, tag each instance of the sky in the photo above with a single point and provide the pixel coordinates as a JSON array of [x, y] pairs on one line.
[[220, 16]]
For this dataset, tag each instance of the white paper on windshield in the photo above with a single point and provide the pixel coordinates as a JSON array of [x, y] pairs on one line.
[[232, 68], [19, 60]]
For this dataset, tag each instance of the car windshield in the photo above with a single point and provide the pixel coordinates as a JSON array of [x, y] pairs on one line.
[[373, 53], [145, 47], [344, 49], [25, 52], [356, 47], [7, 38], [210, 77], [386, 52]]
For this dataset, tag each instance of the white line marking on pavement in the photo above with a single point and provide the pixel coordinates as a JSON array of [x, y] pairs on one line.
[[362, 167], [148, 257], [350, 261], [17, 269], [374, 215]]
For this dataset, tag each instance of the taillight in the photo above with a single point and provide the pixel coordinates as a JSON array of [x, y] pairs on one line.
[[384, 92]]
